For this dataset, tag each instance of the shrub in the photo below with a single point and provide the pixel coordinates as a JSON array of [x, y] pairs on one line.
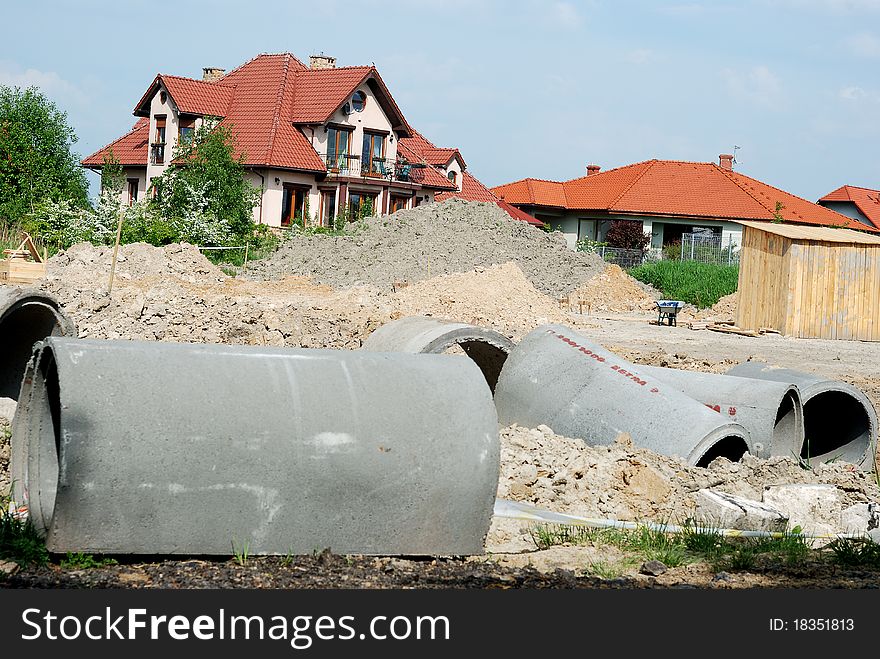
[[700, 284], [627, 234]]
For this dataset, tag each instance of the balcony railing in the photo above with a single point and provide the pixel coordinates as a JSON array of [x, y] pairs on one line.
[[157, 153], [381, 168]]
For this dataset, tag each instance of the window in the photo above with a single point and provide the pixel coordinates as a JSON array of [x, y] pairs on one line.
[[186, 131], [328, 207], [337, 149], [398, 202], [132, 191], [361, 204], [358, 101], [372, 155], [453, 177], [157, 149], [295, 205]]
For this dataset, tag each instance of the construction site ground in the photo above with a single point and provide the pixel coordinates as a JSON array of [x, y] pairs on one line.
[[174, 294]]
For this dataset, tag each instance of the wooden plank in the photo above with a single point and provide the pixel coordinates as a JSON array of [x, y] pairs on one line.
[[871, 277], [728, 329]]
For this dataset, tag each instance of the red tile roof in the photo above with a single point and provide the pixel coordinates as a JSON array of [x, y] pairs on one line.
[[865, 199], [130, 149], [471, 190], [427, 176], [517, 214], [262, 100], [669, 187]]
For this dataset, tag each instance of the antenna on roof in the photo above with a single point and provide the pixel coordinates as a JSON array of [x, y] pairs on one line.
[[735, 147]]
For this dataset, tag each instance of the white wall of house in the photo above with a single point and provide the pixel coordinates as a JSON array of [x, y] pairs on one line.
[[848, 209], [138, 173], [157, 107], [371, 117], [454, 166], [273, 193]]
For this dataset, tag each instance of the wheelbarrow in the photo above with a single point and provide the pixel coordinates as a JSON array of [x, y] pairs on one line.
[[668, 309]]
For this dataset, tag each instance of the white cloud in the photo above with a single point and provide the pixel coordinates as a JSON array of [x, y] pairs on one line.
[[864, 44], [565, 15], [640, 56], [852, 93], [49, 82], [758, 86]]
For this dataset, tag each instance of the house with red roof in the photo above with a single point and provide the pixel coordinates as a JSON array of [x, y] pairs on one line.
[[668, 197], [862, 204], [315, 139]]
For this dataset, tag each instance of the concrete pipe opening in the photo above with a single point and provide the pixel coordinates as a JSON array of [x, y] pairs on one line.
[[26, 317], [837, 426], [41, 469], [418, 334], [732, 447], [840, 422]]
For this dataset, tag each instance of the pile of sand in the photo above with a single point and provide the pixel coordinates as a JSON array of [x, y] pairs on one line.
[[612, 291]]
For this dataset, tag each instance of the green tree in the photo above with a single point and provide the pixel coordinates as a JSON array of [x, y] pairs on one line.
[[37, 163], [204, 192], [112, 175]]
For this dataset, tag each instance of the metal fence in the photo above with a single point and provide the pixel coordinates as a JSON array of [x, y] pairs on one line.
[[625, 258], [707, 248]]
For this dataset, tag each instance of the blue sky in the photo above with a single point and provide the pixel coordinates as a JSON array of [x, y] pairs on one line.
[[523, 88]]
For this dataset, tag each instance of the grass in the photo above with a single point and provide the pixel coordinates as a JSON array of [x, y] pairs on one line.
[[241, 555], [19, 540], [700, 284], [82, 561], [707, 545]]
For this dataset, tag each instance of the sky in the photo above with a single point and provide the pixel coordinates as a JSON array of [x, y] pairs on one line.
[[523, 88]]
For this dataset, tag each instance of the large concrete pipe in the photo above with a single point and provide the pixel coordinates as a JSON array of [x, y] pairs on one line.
[[26, 316], [419, 334], [772, 412], [160, 448], [560, 378], [840, 422]]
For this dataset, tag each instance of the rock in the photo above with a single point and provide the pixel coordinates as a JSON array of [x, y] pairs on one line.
[[721, 576], [721, 510], [860, 518], [815, 508], [875, 535], [7, 408], [8, 568], [653, 568]]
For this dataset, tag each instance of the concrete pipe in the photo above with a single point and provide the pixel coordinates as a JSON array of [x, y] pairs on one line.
[[418, 334], [560, 378], [26, 316], [840, 422], [161, 448], [772, 412]]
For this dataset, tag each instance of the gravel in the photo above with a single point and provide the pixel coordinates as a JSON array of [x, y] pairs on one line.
[[435, 239]]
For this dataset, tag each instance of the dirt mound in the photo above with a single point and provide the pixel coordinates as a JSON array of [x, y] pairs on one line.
[[621, 481], [87, 266], [499, 297], [724, 309], [435, 239], [612, 290]]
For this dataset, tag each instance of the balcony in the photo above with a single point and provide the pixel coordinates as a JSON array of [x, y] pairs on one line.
[[376, 168], [157, 153]]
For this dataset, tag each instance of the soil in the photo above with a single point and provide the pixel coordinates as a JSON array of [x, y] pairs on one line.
[[484, 269], [435, 239]]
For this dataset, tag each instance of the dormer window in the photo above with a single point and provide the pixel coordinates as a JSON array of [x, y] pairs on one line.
[[358, 101], [453, 177]]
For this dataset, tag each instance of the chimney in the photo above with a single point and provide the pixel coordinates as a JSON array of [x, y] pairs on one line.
[[212, 73], [322, 61], [725, 161], [593, 169]]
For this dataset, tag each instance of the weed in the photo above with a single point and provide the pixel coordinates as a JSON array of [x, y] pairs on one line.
[[855, 552], [19, 540], [241, 555], [606, 570], [545, 536], [287, 561], [83, 561]]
